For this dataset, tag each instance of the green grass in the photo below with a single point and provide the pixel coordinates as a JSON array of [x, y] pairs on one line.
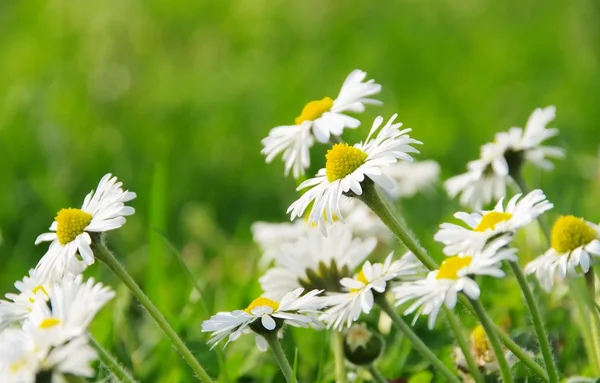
[[174, 97]]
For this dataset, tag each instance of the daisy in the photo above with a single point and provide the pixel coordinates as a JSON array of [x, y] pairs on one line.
[[348, 166], [264, 315], [314, 261], [411, 177], [101, 211], [441, 287], [345, 308], [18, 306], [574, 244], [320, 119], [488, 224]]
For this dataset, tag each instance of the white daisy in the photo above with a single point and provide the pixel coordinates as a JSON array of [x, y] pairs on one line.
[[441, 287], [574, 244], [345, 308], [101, 211], [411, 178], [348, 166], [264, 315], [488, 224], [314, 261], [320, 119], [18, 306]]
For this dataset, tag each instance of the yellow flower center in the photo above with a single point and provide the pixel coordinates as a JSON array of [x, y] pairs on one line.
[[569, 232], [360, 277], [71, 223], [491, 219], [262, 301], [451, 266], [314, 110], [49, 322], [481, 344], [342, 160], [35, 290], [16, 366]]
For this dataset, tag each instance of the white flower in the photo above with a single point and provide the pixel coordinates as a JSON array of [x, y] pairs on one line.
[[293, 309], [348, 166], [441, 287], [18, 306], [411, 177], [488, 224], [320, 119], [101, 211], [346, 308], [316, 261], [574, 244]]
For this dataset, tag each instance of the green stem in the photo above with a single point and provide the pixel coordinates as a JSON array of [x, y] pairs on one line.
[[415, 340], [593, 313], [111, 363], [537, 322], [103, 254], [461, 339], [490, 331], [522, 185], [376, 374], [578, 292], [337, 344], [379, 206], [279, 355]]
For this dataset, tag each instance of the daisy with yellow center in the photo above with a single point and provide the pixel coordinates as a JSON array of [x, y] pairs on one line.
[[320, 119], [264, 315], [348, 166], [574, 244], [488, 224], [456, 274], [70, 251], [18, 306], [346, 308]]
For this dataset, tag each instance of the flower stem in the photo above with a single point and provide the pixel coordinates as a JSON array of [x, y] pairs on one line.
[[590, 281], [376, 374], [537, 322], [111, 363], [415, 340], [280, 357], [490, 331], [102, 253], [461, 339], [337, 344]]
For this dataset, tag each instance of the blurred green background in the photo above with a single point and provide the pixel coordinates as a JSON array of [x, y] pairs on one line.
[[174, 97]]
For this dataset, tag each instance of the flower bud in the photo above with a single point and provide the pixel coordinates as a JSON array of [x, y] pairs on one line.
[[362, 346]]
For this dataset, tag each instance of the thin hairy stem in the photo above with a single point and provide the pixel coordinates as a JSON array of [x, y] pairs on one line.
[[376, 374], [337, 344], [461, 339], [111, 363], [280, 358]]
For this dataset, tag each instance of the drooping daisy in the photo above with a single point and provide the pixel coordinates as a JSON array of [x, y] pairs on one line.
[[264, 315], [441, 287], [320, 119], [102, 210], [348, 166], [488, 224], [18, 306], [314, 261], [574, 244], [411, 178], [345, 308]]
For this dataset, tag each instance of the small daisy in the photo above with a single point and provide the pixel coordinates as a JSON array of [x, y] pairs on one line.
[[441, 287], [488, 224], [574, 244], [411, 178], [102, 211], [348, 166], [345, 308], [264, 315], [18, 306], [314, 261], [320, 119]]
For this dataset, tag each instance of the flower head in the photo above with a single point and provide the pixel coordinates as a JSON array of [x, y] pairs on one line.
[[264, 315], [441, 287], [489, 224], [348, 166], [574, 244], [320, 119], [102, 210]]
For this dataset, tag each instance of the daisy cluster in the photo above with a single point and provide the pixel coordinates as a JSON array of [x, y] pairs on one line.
[[43, 326]]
